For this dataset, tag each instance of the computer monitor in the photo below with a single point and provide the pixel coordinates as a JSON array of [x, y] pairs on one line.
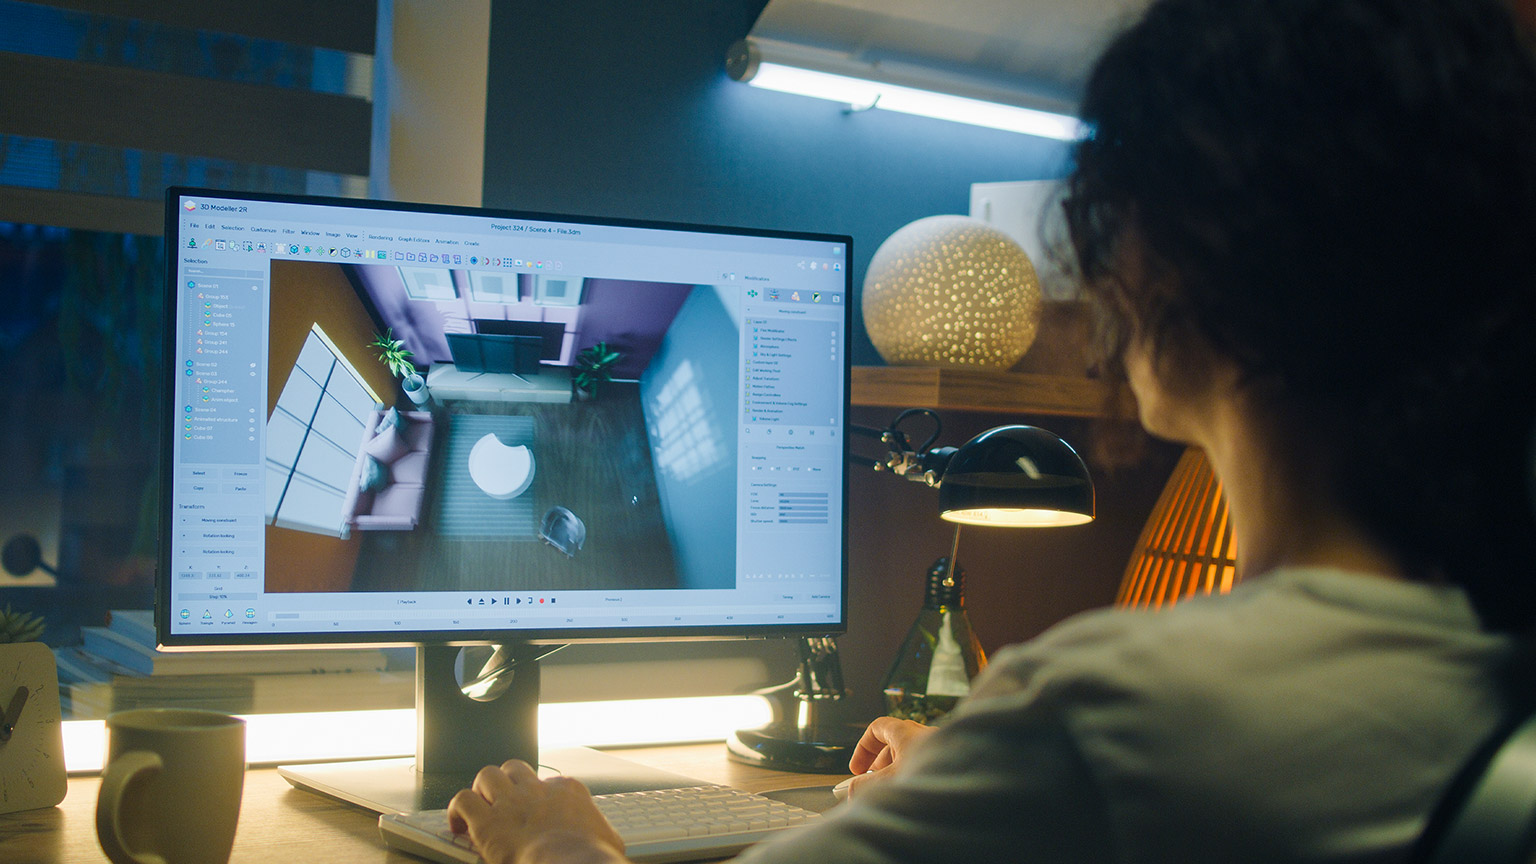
[[695, 490]]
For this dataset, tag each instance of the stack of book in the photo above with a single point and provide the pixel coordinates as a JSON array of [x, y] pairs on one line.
[[117, 667]]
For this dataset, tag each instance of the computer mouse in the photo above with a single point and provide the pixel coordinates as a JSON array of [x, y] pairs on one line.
[[840, 791]]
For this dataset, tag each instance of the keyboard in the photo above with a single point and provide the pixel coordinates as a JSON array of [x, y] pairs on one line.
[[689, 824]]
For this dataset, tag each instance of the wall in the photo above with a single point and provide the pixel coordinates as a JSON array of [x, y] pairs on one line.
[[611, 312], [697, 369], [602, 107], [429, 139], [623, 109]]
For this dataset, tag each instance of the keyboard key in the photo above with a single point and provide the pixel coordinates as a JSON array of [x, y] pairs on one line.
[[665, 825], [645, 834]]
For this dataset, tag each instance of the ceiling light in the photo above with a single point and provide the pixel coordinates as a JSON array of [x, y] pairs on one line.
[[862, 86]]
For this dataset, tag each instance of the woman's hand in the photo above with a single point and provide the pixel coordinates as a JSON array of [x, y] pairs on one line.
[[513, 817], [884, 744]]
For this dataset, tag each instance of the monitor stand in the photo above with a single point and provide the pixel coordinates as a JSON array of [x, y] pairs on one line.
[[458, 734]]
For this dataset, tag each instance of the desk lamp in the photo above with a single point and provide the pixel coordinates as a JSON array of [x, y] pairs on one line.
[[1013, 476]]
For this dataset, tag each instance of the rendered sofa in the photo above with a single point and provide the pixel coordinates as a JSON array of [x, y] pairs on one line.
[[404, 456]]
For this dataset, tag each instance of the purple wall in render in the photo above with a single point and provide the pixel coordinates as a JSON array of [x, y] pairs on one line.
[[419, 325], [631, 317]]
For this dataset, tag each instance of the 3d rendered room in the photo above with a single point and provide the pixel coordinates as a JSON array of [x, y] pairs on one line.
[[505, 477]]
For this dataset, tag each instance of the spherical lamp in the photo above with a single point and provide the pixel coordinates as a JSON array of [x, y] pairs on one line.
[[951, 291]]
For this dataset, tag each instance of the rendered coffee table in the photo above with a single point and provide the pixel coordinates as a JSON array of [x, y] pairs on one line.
[[501, 471]]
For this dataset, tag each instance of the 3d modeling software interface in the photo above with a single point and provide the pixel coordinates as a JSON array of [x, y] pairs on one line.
[[603, 426]]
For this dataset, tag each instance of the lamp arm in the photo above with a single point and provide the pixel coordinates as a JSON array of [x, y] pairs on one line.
[[922, 464], [938, 425], [918, 467], [867, 431]]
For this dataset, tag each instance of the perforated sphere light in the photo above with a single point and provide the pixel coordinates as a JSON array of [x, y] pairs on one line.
[[951, 291], [1018, 476]]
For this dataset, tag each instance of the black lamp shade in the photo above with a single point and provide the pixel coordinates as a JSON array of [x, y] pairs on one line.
[[1020, 476]]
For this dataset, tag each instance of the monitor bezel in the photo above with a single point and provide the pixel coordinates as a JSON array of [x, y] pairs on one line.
[[542, 635]]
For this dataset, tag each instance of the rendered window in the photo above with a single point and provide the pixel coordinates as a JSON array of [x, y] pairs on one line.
[[427, 283], [313, 438], [687, 443]]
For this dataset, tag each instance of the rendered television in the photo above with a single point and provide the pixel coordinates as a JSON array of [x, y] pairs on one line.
[[496, 352], [698, 492]]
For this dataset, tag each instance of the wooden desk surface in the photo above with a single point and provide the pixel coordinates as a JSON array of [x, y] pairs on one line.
[[280, 823]]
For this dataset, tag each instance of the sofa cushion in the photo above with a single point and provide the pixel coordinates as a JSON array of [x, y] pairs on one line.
[[410, 468], [387, 446], [375, 475], [417, 433], [392, 417], [398, 500]]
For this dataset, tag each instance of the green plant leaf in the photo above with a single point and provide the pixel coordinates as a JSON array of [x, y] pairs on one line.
[[20, 626], [393, 353]]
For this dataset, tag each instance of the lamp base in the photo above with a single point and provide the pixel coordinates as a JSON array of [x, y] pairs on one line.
[[816, 749]]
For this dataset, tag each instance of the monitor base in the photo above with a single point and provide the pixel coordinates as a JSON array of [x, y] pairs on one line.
[[816, 749], [395, 786]]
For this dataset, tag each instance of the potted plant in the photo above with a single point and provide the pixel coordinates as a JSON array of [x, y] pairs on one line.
[[20, 626], [394, 354], [594, 366]]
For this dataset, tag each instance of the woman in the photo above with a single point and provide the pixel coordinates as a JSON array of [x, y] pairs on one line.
[[1310, 226]]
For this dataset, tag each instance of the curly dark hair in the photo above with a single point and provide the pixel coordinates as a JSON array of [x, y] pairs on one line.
[[1340, 196]]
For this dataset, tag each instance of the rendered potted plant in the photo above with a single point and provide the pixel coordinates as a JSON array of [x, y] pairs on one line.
[[594, 367], [394, 354]]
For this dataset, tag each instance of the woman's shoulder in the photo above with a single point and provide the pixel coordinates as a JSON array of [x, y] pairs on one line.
[[1281, 619]]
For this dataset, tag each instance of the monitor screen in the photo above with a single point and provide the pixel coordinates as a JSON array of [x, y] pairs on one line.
[[674, 469]]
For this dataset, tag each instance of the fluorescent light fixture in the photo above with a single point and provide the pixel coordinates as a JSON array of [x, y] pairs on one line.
[[826, 75], [271, 739]]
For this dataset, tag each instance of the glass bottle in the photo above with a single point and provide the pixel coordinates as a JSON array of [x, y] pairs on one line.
[[940, 655]]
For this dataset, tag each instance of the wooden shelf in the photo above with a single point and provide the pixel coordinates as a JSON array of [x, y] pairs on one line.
[[985, 390]]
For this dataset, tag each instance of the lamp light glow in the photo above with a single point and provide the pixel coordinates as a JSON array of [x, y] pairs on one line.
[[1015, 517], [855, 92], [330, 735], [863, 94], [892, 85]]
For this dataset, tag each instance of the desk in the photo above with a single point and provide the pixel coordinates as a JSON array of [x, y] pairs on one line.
[[280, 823]]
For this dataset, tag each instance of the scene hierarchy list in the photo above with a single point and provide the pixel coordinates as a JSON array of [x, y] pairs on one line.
[[220, 377], [785, 350]]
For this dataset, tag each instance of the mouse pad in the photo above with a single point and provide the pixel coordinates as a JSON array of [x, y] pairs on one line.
[[815, 798]]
